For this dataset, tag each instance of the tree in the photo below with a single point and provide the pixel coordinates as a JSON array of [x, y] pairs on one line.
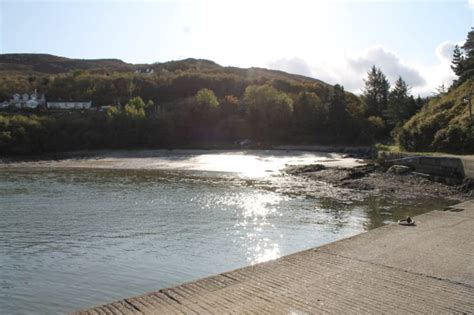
[[309, 112], [376, 127], [269, 111], [337, 116], [401, 105], [441, 90], [463, 61], [135, 108], [468, 46], [468, 64], [137, 102], [458, 60], [204, 114], [206, 99], [230, 105], [376, 92]]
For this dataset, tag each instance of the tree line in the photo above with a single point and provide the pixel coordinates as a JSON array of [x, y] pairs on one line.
[[186, 105], [263, 114]]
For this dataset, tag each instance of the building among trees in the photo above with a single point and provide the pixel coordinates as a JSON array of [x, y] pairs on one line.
[[31, 101], [69, 105]]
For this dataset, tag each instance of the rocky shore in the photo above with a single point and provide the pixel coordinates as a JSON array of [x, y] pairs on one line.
[[372, 178]]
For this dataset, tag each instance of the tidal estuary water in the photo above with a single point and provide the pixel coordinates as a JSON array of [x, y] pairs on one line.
[[80, 232]]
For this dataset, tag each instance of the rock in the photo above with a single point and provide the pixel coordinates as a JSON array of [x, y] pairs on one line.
[[356, 174], [304, 169], [422, 175], [361, 171], [467, 185], [399, 169]]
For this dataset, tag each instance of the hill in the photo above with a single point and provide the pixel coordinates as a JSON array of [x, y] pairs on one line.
[[112, 81], [49, 64], [172, 104], [444, 124]]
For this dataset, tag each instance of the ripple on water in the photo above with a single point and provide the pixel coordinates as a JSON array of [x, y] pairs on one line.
[[73, 238]]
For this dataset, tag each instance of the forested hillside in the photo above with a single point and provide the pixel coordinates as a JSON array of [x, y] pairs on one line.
[[178, 103], [109, 81], [193, 102]]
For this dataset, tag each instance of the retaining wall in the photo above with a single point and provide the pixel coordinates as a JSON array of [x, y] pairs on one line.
[[453, 167]]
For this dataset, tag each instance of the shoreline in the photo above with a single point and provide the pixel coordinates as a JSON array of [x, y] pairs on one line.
[[341, 172], [346, 171], [374, 179], [434, 275], [356, 151], [184, 159]]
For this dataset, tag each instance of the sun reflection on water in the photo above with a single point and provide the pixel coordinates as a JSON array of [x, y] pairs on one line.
[[254, 227], [263, 250]]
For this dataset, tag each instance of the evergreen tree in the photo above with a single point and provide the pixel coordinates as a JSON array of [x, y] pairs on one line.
[[468, 46], [420, 102], [468, 65], [463, 63], [376, 92], [457, 62], [401, 105], [441, 90]]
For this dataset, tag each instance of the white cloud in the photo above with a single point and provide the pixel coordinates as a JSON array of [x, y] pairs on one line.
[[440, 73], [444, 51], [389, 63], [351, 70], [471, 4]]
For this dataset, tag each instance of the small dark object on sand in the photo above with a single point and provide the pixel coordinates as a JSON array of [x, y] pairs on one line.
[[407, 221]]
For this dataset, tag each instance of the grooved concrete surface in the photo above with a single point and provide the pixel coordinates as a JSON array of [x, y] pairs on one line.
[[428, 268]]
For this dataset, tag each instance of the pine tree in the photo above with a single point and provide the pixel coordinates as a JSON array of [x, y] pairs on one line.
[[376, 92], [401, 105], [468, 70], [441, 90], [457, 62], [420, 102], [463, 66], [468, 46]]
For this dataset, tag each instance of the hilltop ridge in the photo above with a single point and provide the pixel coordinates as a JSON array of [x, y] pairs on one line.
[[41, 64]]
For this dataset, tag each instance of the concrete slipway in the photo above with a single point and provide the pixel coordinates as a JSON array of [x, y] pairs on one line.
[[427, 268]]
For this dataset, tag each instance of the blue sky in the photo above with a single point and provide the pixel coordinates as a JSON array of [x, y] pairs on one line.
[[335, 41]]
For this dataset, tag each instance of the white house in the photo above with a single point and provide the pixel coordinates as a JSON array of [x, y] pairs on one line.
[[27, 101], [69, 104], [147, 71], [32, 103]]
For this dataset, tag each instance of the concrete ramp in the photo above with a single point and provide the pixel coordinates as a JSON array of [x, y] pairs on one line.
[[427, 268]]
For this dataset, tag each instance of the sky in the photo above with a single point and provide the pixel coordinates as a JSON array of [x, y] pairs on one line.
[[335, 41]]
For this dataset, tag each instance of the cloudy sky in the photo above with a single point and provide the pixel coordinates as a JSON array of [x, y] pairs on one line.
[[336, 41]]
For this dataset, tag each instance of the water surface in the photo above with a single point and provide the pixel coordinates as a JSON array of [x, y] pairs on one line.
[[73, 236]]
